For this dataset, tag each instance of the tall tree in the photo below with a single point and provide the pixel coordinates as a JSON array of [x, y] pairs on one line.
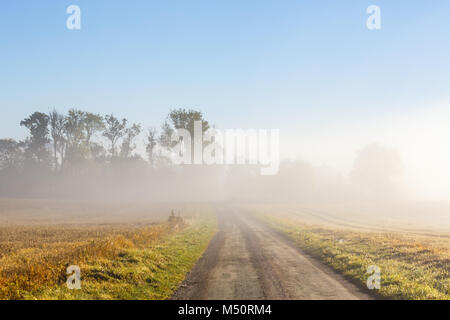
[[181, 119], [10, 153], [151, 144], [93, 123], [57, 131], [184, 119], [37, 124], [75, 135], [166, 134], [113, 131], [98, 152], [128, 141]]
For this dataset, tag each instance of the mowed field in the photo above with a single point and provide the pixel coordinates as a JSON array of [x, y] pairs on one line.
[[124, 251], [409, 244]]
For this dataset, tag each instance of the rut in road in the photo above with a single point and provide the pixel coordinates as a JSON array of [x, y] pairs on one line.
[[249, 261]]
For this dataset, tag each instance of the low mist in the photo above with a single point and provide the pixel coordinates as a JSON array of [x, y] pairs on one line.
[[85, 156]]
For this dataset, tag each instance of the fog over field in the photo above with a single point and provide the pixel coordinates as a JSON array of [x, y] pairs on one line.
[[224, 150], [389, 178], [396, 161]]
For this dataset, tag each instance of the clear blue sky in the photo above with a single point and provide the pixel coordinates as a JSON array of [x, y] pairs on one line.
[[260, 64]]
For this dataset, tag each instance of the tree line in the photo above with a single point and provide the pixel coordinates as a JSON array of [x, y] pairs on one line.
[[83, 143], [89, 156], [61, 141]]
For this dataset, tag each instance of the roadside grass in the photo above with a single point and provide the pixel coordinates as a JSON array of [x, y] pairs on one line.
[[124, 262], [411, 268]]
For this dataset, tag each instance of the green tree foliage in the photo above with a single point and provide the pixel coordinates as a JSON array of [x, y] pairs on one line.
[[75, 133], [36, 144], [10, 153], [57, 132], [93, 123], [113, 131], [89, 149], [181, 119], [151, 145], [128, 141]]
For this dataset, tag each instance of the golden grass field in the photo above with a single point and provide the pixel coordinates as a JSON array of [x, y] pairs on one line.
[[414, 259], [124, 251], [133, 251]]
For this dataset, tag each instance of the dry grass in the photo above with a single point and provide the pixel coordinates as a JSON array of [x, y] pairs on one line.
[[38, 256], [412, 266], [34, 257]]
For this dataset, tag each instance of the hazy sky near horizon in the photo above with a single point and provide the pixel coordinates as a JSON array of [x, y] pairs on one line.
[[309, 68]]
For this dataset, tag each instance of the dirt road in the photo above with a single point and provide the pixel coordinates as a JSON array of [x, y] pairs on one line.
[[249, 261]]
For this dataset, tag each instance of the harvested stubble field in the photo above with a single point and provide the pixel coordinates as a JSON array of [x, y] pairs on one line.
[[145, 258], [414, 263]]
